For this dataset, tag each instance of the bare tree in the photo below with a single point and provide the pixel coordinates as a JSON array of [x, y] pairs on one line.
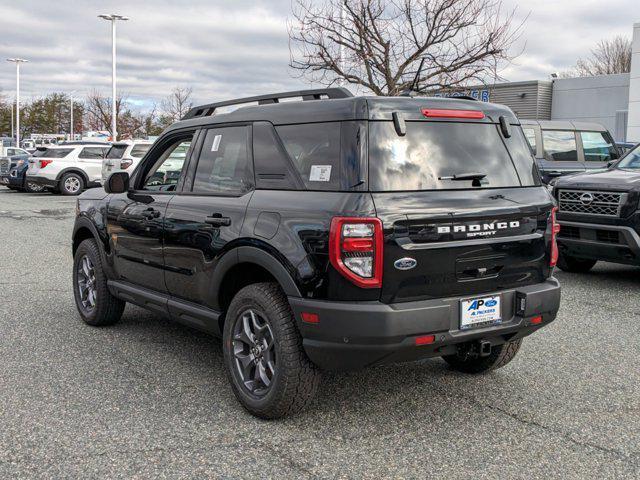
[[379, 44], [98, 111], [608, 57], [177, 103]]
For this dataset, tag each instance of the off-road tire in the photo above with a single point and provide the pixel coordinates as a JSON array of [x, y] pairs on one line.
[[296, 379], [108, 309], [500, 355], [568, 263], [71, 176], [27, 188]]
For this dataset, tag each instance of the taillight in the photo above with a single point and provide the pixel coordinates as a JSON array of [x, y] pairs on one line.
[[44, 163], [126, 163], [449, 113], [355, 249], [555, 229]]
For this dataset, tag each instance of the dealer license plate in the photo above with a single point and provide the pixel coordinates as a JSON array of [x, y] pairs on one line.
[[4, 181], [476, 312]]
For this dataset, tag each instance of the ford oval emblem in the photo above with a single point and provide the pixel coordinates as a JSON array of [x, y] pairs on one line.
[[405, 263]]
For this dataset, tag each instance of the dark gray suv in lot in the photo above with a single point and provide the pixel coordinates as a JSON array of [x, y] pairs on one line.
[[334, 232]]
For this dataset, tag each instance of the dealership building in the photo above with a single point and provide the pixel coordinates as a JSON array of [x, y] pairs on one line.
[[610, 100]]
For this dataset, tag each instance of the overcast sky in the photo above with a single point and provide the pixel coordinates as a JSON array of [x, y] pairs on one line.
[[227, 48]]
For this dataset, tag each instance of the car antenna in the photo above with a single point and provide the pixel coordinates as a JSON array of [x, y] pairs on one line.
[[414, 84]]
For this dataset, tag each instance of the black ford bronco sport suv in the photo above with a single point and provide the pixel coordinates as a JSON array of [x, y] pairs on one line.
[[332, 232], [599, 215]]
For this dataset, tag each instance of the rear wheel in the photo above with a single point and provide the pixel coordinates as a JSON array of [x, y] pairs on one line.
[[269, 372], [568, 263], [71, 184], [32, 187], [95, 303], [468, 362]]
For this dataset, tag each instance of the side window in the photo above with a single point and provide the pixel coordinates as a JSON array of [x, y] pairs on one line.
[[315, 151], [597, 148], [530, 135], [92, 152], [224, 163], [560, 145], [165, 173]]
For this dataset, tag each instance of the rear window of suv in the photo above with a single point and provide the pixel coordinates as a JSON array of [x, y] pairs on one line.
[[57, 152], [431, 153], [140, 149]]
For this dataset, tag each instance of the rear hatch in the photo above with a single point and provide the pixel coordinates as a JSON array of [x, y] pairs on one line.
[[462, 209], [45, 156]]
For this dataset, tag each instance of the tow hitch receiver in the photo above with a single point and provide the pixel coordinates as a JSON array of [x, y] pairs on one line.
[[484, 348]]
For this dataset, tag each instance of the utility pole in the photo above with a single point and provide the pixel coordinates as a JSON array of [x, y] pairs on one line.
[[113, 18], [17, 61], [71, 138]]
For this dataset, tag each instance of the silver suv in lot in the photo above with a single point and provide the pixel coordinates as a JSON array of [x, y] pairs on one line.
[[564, 147], [69, 168], [124, 157]]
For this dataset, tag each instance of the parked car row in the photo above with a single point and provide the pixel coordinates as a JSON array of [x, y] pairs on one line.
[[69, 168]]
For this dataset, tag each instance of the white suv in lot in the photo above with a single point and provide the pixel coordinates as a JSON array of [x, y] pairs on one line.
[[124, 156], [69, 168]]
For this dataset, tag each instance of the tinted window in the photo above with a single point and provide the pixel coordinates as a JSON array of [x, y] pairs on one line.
[[560, 145], [93, 152], [116, 151], [223, 166], [164, 175], [432, 152], [530, 135], [274, 169], [140, 149], [631, 160], [39, 153], [597, 148], [315, 151], [57, 152]]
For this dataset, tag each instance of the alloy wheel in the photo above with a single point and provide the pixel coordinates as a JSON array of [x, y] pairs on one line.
[[254, 353], [86, 282], [72, 184]]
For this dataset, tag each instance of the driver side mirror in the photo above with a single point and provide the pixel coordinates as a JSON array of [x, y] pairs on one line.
[[118, 182]]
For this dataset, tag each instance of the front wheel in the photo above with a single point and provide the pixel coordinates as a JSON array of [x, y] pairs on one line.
[[465, 361], [32, 187], [269, 371], [94, 302], [71, 184], [568, 263]]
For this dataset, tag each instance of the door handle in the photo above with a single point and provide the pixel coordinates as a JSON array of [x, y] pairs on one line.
[[554, 173], [218, 220]]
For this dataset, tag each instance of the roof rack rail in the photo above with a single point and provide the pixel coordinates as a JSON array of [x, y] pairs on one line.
[[316, 94]]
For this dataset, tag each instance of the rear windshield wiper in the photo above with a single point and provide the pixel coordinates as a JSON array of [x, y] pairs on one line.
[[464, 176]]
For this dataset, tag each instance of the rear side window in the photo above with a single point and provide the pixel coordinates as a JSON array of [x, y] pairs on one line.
[[597, 148], [224, 164], [315, 151], [530, 135], [139, 150], [57, 152], [560, 145], [116, 151], [93, 152], [432, 154]]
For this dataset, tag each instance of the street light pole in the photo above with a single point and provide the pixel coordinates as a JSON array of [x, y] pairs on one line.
[[17, 61], [112, 17], [71, 115]]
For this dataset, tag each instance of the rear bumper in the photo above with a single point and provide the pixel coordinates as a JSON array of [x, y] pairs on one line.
[[614, 243], [44, 181], [355, 335]]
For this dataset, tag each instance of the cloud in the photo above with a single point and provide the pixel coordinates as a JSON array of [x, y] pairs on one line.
[[230, 48]]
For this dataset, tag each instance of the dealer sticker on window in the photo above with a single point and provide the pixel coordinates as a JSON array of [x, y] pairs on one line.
[[320, 173], [477, 312]]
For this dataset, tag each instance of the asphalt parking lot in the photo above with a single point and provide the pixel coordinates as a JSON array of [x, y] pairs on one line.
[[148, 397]]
